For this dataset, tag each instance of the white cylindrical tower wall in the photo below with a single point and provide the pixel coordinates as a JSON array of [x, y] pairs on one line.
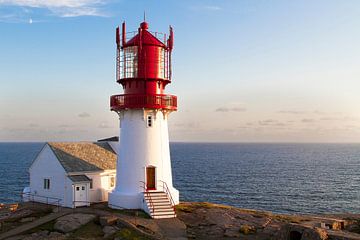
[[141, 145]]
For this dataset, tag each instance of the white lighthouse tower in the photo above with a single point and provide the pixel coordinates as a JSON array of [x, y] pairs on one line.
[[144, 178]]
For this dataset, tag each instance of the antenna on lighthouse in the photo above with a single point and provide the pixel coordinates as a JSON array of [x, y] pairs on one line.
[[144, 16]]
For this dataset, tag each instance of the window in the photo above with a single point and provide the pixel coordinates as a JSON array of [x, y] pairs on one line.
[[91, 183], [149, 121], [83, 188], [77, 188], [46, 183], [112, 181], [130, 62]]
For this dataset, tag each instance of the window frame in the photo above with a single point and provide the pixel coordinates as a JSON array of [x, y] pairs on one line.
[[149, 121], [112, 181], [46, 183]]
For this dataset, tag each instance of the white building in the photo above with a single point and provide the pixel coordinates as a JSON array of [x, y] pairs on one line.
[[73, 174]]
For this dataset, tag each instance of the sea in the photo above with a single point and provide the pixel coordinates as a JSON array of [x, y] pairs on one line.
[[282, 178]]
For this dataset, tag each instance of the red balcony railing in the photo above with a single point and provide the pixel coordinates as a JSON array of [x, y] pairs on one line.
[[158, 101]]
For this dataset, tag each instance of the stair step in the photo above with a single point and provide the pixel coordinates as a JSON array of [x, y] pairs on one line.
[[159, 205], [163, 215], [160, 217], [155, 193], [167, 206], [159, 201], [163, 210], [156, 198]]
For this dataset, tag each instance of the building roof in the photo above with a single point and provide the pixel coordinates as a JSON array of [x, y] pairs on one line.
[[84, 156], [110, 139], [79, 178], [146, 38]]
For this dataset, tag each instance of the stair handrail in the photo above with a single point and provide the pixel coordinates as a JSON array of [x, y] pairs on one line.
[[146, 192], [168, 193]]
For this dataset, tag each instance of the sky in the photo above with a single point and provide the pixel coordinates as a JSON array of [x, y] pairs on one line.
[[243, 70]]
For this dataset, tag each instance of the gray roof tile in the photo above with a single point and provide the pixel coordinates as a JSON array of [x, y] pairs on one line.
[[84, 156]]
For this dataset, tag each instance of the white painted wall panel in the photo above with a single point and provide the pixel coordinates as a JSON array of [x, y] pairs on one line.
[[141, 146], [47, 166]]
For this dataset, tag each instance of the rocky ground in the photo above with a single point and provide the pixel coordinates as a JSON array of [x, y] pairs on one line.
[[194, 221], [212, 221]]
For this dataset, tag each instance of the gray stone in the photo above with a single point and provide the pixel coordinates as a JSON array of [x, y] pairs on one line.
[[306, 232], [56, 236], [108, 220], [28, 219], [72, 222], [43, 233], [109, 230], [231, 233]]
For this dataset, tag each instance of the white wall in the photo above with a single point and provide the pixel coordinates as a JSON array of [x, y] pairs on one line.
[[101, 185], [47, 166], [141, 146]]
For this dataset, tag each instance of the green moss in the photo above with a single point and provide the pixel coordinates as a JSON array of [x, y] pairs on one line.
[[184, 208], [90, 230], [129, 234], [190, 207]]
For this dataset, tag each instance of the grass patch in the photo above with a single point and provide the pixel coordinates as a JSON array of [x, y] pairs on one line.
[[129, 212], [184, 208], [289, 218], [41, 213], [90, 230], [129, 234], [49, 226], [190, 207]]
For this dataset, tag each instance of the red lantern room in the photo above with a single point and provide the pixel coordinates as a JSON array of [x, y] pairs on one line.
[[143, 69]]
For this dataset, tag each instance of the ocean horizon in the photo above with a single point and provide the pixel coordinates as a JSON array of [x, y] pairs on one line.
[[278, 177]]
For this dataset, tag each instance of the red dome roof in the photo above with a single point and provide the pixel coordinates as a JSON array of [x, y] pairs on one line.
[[146, 38]]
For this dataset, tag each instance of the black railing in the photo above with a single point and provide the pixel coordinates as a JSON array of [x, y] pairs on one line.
[[29, 197]]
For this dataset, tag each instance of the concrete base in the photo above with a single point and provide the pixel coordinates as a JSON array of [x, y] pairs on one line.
[[120, 200]]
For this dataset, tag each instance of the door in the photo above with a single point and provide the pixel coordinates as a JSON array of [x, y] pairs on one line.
[[150, 178], [81, 195]]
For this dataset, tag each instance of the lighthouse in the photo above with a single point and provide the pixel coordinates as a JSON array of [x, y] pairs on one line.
[[143, 172]]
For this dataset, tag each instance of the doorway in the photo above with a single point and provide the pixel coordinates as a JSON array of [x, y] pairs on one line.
[[81, 195], [150, 178]]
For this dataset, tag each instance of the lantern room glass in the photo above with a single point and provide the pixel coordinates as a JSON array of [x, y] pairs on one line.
[[130, 62]]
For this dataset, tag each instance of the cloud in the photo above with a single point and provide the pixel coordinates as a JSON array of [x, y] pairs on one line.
[[331, 119], [104, 125], [272, 122], [64, 126], [84, 115], [213, 8], [187, 125], [233, 109], [291, 112], [307, 120], [61, 8]]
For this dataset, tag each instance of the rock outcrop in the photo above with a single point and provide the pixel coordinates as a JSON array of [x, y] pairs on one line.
[[72, 222]]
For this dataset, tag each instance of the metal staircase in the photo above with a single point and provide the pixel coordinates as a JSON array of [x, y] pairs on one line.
[[160, 203]]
